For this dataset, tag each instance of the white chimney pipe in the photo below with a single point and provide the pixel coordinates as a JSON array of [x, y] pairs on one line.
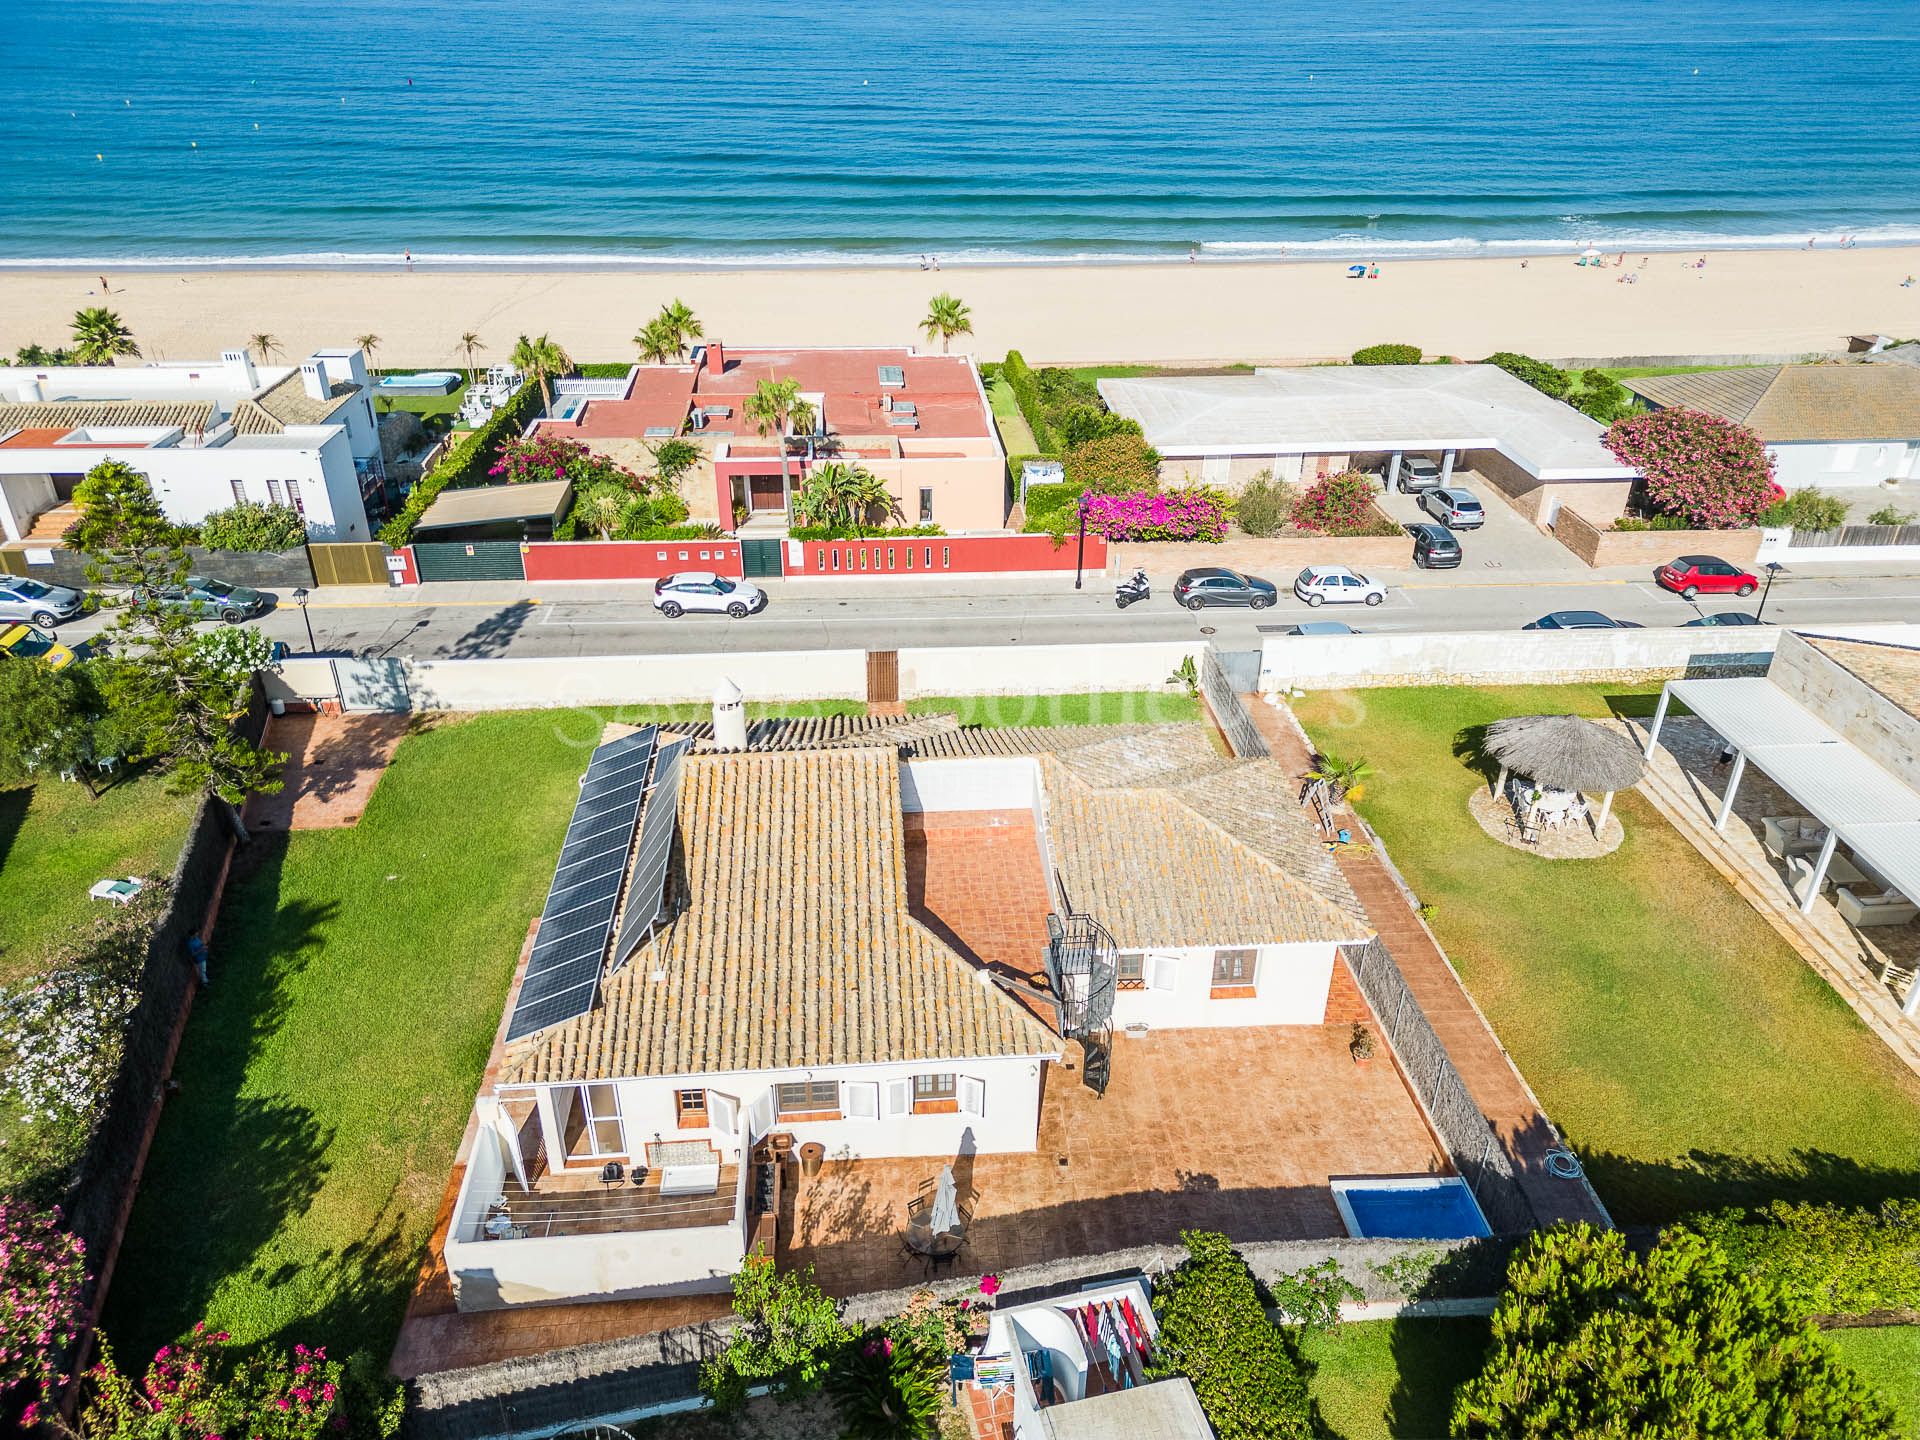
[[240, 365], [315, 375], [729, 716]]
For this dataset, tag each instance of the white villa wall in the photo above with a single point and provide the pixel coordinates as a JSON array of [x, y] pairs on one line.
[[1009, 782], [22, 497], [1290, 982], [1833, 466], [1040, 669]]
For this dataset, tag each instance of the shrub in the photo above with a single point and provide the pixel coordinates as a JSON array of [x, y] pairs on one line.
[[1808, 509], [1265, 506], [465, 463], [1311, 1298], [1547, 379], [1215, 1331], [250, 525], [1082, 423], [1826, 1259], [1649, 522], [1113, 463], [862, 532], [1339, 505], [1711, 472], [1387, 355], [1601, 397], [1195, 513], [1026, 395], [789, 1335], [888, 1389], [1889, 515], [547, 456], [43, 1273]]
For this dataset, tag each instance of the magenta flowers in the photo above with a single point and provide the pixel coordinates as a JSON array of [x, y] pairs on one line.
[[1186, 514], [1710, 472]]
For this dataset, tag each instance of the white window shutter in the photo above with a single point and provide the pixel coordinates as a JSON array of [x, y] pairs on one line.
[[899, 1098], [861, 1099], [760, 1115], [723, 1112], [1163, 972], [973, 1095]]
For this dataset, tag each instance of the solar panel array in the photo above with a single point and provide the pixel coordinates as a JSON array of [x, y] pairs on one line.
[[647, 896], [563, 972]]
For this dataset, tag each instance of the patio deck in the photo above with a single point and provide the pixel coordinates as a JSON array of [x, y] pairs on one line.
[[581, 1204]]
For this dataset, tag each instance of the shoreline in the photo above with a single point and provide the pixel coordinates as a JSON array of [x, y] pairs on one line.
[[1742, 302]]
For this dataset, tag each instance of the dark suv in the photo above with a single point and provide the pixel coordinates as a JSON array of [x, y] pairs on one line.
[[1434, 547]]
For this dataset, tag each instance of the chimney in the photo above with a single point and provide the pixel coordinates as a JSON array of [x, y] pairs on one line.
[[239, 365], [729, 717], [716, 358], [315, 376]]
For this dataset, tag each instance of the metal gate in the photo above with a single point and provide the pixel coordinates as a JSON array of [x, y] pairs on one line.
[[348, 564], [883, 677], [761, 558], [477, 560]]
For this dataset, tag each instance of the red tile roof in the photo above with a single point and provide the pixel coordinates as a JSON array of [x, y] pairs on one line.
[[34, 437]]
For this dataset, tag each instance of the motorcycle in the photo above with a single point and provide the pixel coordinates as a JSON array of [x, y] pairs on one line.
[[1135, 587]]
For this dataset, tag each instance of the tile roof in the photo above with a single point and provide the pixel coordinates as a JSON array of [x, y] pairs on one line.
[[1787, 403], [287, 403], [189, 415], [1893, 670], [792, 946]]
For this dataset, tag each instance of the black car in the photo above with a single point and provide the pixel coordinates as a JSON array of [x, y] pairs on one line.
[[1434, 547], [1580, 620], [1725, 617], [1217, 585], [206, 599]]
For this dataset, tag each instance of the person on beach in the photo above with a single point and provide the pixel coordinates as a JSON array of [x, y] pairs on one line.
[[1193, 254], [408, 259], [104, 289], [1373, 272]]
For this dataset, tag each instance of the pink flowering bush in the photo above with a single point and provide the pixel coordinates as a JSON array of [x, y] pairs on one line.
[[42, 1274], [1710, 472], [554, 457], [1339, 505], [1195, 513]]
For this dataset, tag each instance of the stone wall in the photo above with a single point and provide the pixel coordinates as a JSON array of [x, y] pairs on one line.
[[1882, 730], [1601, 501], [1278, 560], [279, 570], [1597, 547]]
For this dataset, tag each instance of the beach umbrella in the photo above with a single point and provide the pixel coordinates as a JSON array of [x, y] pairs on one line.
[[1565, 752], [945, 1216]]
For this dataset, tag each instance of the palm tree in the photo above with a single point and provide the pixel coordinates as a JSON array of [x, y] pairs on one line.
[[266, 345], [656, 341], [542, 358], [680, 325], [1344, 779], [469, 343], [98, 336], [947, 317], [601, 508], [774, 407], [841, 494], [368, 343]]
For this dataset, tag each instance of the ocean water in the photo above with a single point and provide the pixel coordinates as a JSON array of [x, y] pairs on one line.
[[623, 132]]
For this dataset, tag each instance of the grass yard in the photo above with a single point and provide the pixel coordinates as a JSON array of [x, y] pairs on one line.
[[1889, 1357], [1016, 436], [1120, 707], [327, 1073], [1686, 1051], [55, 843], [1393, 1379]]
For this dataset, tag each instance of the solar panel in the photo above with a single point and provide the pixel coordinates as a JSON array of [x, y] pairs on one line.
[[563, 972], [646, 897]]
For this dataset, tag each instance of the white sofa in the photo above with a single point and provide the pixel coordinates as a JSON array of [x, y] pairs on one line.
[[1865, 909]]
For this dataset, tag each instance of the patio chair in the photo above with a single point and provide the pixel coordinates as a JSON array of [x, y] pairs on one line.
[[1864, 910]]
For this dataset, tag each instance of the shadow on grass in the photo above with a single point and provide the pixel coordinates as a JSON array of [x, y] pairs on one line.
[[1470, 749], [1641, 1192], [14, 801], [1431, 1359], [366, 1284]]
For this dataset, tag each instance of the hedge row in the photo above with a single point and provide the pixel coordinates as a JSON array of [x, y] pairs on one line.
[[465, 463], [1830, 1259], [862, 532], [1026, 394]]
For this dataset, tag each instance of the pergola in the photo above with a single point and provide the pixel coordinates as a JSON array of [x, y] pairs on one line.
[[1857, 801], [1565, 752]]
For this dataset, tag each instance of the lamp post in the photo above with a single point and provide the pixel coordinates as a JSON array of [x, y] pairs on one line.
[[300, 597], [1080, 560], [1773, 569]]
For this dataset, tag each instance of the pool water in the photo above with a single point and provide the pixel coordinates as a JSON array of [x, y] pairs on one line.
[[429, 382], [1437, 1209]]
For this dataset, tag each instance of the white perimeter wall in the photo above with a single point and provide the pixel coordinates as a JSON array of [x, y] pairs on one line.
[[998, 783], [1291, 982], [22, 498], [1832, 466]]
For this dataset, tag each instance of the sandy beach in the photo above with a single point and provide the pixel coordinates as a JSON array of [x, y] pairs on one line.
[[1740, 303]]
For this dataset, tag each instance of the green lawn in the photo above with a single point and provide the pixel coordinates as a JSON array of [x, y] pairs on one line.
[[55, 843], [1120, 707], [358, 979], [1686, 1051], [1016, 436], [1094, 373], [1393, 1379], [423, 404], [1889, 1357]]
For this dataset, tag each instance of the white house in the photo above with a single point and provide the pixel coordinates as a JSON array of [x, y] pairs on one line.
[[205, 435], [1833, 426]]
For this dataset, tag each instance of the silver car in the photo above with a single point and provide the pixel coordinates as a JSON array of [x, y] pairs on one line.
[[704, 590], [37, 602], [1456, 509]]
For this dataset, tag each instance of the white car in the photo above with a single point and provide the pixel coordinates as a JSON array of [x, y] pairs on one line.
[[704, 590], [1336, 585]]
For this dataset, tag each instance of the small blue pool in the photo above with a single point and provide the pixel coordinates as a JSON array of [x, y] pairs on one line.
[[1427, 1208], [427, 382]]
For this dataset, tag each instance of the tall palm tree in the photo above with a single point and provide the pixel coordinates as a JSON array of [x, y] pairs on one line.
[[99, 336], [656, 341], [947, 317], [266, 345], [680, 324], [775, 407], [470, 342], [542, 358], [368, 343]]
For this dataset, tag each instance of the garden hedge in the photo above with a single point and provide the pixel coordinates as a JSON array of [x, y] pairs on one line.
[[465, 463], [1026, 394], [1829, 1259], [1387, 355]]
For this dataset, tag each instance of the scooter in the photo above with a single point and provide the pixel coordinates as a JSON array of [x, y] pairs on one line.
[[1134, 587]]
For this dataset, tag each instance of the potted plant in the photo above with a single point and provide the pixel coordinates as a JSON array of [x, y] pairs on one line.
[[1360, 1044]]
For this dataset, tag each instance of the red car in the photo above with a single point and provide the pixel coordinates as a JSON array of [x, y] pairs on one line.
[[1693, 575]]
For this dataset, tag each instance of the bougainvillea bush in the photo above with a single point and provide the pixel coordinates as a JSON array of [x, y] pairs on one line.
[[1197, 513], [554, 457], [1712, 473], [1339, 505], [42, 1274]]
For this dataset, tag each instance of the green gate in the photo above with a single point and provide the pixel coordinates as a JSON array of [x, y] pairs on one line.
[[761, 557], [475, 560]]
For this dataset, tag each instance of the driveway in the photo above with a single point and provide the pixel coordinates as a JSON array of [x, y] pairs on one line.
[[1507, 542]]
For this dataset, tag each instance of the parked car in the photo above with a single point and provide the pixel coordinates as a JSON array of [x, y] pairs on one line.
[[206, 599], [1337, 585], [1454, 508], [29, 642], [1417, 473], [1580, 620], [37, 602], [1319, 627], [1693, 575], [1434, 547], [1725, 617], [706, 591], [1217, 585]]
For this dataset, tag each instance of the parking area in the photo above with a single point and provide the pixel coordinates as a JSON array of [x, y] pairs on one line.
[[1508, 541]]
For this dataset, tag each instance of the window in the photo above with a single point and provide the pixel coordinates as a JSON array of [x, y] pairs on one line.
[[293, 498], [936, 1094], [597, 1110], [809, 1097], [926, 504], [1233, 973], [239, 491], [690, 1106], [1130, 969], [276, 494]]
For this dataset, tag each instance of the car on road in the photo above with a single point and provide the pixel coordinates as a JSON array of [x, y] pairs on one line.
[[205, 599], [1580, 620], [1337, 585], [1417, 473], [29, 642], [1725, 617], [702, 590], [37, 602], [1454, 508], [1216, 585], [1319, 627], [1434, 546], [1693, 575]]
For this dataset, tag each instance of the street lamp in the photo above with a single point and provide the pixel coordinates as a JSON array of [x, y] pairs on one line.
[[1773, 569], [300, 597], [1080, 560]]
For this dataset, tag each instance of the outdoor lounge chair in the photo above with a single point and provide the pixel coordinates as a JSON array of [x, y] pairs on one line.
[[1787, 835], [1863, 910]]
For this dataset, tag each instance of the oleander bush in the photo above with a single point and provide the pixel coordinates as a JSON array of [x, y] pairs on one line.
[[1341, 505], [1387, 355], [1808, 509], [1710, 472], [249, 525]]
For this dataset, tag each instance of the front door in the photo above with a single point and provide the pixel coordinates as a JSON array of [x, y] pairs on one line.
[[765, 493]]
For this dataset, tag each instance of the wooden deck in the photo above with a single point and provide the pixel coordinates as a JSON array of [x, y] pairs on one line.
[[570, 1204]]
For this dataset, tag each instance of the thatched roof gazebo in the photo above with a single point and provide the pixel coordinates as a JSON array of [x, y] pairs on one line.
[[1565, 752]]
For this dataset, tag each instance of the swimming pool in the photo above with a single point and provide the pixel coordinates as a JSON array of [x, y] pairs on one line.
[[1438, 1207], [428, 382]]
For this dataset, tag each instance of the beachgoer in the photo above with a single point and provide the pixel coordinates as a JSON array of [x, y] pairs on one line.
[[409, 259], [1373, 272], [1643, 261], [1523, 264], [936, 262], [1810, 242], [1193, 253], [105, 289]]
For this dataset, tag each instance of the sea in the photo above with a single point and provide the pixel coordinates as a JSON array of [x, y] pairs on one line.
[[590, 133]]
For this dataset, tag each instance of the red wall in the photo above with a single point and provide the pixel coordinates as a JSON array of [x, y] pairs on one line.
[[628, 559], [946, 554], [412, 575]]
